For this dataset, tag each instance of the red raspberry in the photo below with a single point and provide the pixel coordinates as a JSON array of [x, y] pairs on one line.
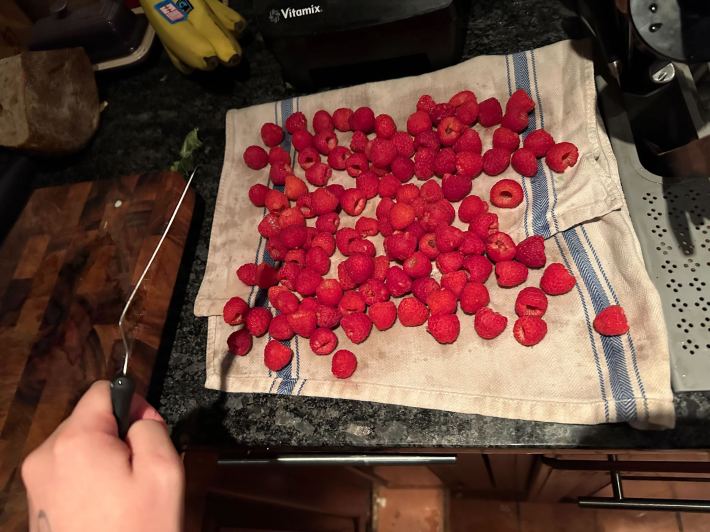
[[361, 245], [366, 226], [338, 156], [421, 288], [323, 201], [307, 282], [562, 156], [345, 281], [288, 273], [474, 297], [427, 139], [344, 237], [412, 312], [468, 164], [431, 192], [445, 328], [427, 245], [520, 100], [358, 142], [400, 246], [490, 112], [479, 268], [275, 291], [272, 134], [450, 129], [247, 273], [472, 244], [417, 265], [343, 364], [510, 273], [384, 126], [275, 201], [404, 143], [417, 122], [325, 241], [363, 119], [407, 193], [383, 314], [277, 155], [424, 163], [293, 236], [557, 280], [442, 301], [292, 216], [279, 328], [449, 261], [319, 174], [353, 201], [295, 122], [308, 304], [239, 342], [539, 142], [385, 227], [531, 252], [469, 141], [285, 302], [360, 267], [368, 183], [255, 157], [382, 264], [341, 118], [401, 215], [276, 249], [305, 205], [328, 317], [531, 301], [441, 111], [436, 214], [356, 164], [297, 256], [322, 121], [301, 140], [506, 194], [470, 207], [373, 291], [495, 161], [357, 327], [295, 188], [456, 187], [328, 222], [397, 282], [323, 341], [382, 152], [484, 224], [336, 190], [278, 173], [317, 260], [351, 302], [488, 323], [524, 162], [425, 103], [303, 322], [257, 194], [445, 162], [529, 330], [506, 139], [515, 120], [329, 292], [462, 97], [235, 311], [611, 321], [448, 238], [266, 276], [402, 168], [467, 113], [277, 356], [388, 186], [499, 246], [307, 157], [454, 281]]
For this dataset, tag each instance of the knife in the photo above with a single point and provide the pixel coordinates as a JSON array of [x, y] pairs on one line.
[[123, 386]]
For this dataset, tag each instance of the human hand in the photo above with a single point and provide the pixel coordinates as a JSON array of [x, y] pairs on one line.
[[84, 478]]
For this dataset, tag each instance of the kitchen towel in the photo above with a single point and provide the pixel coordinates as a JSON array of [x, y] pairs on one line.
[[574, 375]]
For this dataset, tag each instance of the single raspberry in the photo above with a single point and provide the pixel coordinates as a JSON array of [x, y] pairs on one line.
[[336, 189], [344, 364], [344, 237], [309, 304], [490, 112], [400, 246], [384, 207], [286, 302], [301, 140], [472, 244], [557, 280], [272, 134], [295, 122], [462, 97], [266, 276], [397, 282], [317, 260], [338, 156], [484, 224], [368, 183], [425, 103], [274, 292], [356, 164], [436, 214], [351, 302], [383, 314], [382, 152], [510, 273], [407, 193], [441, 111], [422, 287], [277, 356], [529, 330], [467, 113], [235, 311], [323, 201], [385, 227], [388, 186], [341, 118], [358, 142], [353, 201], [328, 222], [360, 267], [412, 312], [275, 201], [307, 157], [279, 328], [468, 164], [445, 328], [427, 245], [357, 326], [325, 241], [456, 187], [277, 155], [448, 238], [531, 252], [305, 205], [495, 161], [288, 273], [506, 139], [424, 163], [329, 292], [366, 226], [363, 119], [276, 249], [373, 291], [474, 296], [499, 246], [307, 282], [539, 142], [520, 100], [417, 265], [524, 162], [293, 236], [450, 129], [611, 321], [257, 194], [319, 174], [328, 317], [531, 301], [297, 256], [247, 273], [303, 322], [382, 264], [292, 216], [294, 187], [469, 141], [417, 122], [323, 341], [515, 120], [470, 207], [404, 143], [361, 245], [479, 268], [385, 126], [255, 157], [428, 139], [488, 323], [442, 301], [431, 192], [239, 342], [278, 173], [322, 121], [506, 194], [445, 162], [401, 215], [402, 168], [449, 261], [562, 156]]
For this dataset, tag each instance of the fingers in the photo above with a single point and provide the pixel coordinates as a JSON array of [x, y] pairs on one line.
[[141, 409], [152, 449], [93, 412]]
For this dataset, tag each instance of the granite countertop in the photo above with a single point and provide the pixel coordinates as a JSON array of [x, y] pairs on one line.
[[150, 110]]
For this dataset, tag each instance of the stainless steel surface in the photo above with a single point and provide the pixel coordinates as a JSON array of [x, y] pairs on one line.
[[343, 459], [662, 72]]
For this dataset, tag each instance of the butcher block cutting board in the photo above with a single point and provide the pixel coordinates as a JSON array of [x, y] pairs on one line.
[[66, 270]]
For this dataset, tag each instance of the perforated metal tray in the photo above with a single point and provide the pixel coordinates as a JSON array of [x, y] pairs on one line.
[[672, 222]]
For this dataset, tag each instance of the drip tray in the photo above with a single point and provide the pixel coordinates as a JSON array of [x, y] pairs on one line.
[[672, 222]]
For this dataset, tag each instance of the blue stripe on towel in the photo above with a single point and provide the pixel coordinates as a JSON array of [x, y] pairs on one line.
[[518, 80]]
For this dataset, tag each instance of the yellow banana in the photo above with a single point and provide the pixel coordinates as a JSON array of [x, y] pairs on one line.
[[227, 48], [182, 38], [175, 60], [227, 17]]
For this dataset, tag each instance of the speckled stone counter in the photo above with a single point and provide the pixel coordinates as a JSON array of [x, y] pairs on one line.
[[150, 109]]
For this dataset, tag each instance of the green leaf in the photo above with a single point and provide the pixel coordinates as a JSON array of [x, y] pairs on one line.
[[190, 145]]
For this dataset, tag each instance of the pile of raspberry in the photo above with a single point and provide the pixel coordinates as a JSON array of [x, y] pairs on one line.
[[442, 151]]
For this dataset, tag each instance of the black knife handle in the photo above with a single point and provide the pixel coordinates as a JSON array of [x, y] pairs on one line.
[[122, 388]]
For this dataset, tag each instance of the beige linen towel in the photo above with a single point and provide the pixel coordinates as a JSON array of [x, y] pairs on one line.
[[574, 375]]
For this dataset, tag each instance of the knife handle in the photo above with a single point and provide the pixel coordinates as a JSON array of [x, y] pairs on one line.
[[122, 388]]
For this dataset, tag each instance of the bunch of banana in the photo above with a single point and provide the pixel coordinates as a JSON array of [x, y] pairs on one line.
[[196, 34]]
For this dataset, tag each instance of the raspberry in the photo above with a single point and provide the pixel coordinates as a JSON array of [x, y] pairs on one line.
[[266, 276], [449, 261], [307, 282], [431, 192], [323, 201], [450, 129], [524, 162], [401, 215], [291, 216], [531, 252], [257, 194], [275, 201], [351, 302], [336, 190], [255, 157], [531, 301], [515, 120], [520, 100], [424, 163], [303, 322], [456, 187], [472, 244], [417, 265], [562, 156], [286, 302], [344, 364], [469, 141], [539, 142], [445, 162], [427, 245], [338, 156], [357, 327], [467, 113], [454, 281], [384, 207], [308, 304], [272, 134], [322, 121], [278, 173], [277, 155], [294, 187], [484, 224], [385, 227], [441, 111], [360, 267], [329, 292], [293, 236], [506, 139], [373, 291], [436, 214], [427, 139], [325, 241], [323, 341], [407, 193], [366, 226], [470, 207], [295, 122], [319, 174], [611, 321], [277, 356], [499, 246], [506, 194], [397, 282], [239, 342], [529, 330], [276, 249], [442, 301], [341, 118], [361, 245], [301, 139], [358, 142], [388, 186], [384, 126], [462, 97], [404, 143], [422, 287], [280, 329], [296, 256], [328, 317], [382, 152], [412, 312], [383, 314], [474, 296], [247, 273], [557, 280], [275, 291], [417, 122], [495, 161], [363, 119], [490, 112], [353, 201], [402, 168], [468, 164], [317, 260], [328, 222], [288, 273], [235, 311], [488, 323], [356, 164], [510, 273], [444, 328], [425, 103], [400, 246], [382, 264], [479, 268], [305, 205], [368, 183], [308, 157], [448, 238]]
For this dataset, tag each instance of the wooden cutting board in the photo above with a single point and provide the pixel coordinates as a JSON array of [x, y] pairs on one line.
[[66, 270]]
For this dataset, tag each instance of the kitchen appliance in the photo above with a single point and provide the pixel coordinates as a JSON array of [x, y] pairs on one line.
[[327, 42]]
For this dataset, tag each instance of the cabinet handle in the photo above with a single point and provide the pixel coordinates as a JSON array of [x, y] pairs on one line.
[[342, 459]]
